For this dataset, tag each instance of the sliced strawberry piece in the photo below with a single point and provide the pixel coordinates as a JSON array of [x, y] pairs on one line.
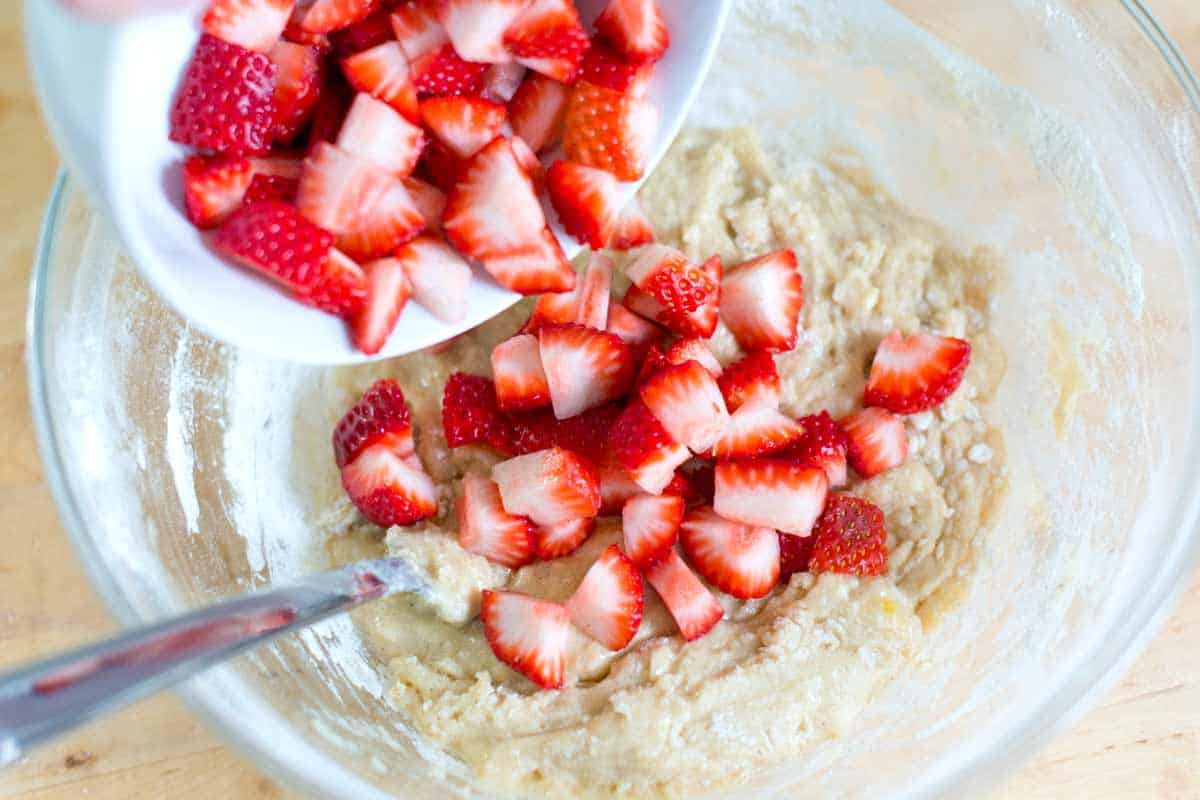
[[470, 414], [795, 553], [381, 410], [609, 130], [293, 33], [692, 606], [373, 131], [652, 364], [702, 321], [550, 486], [604, 66], [756, 429], [548, 38], [529, 162], [636, 28], [740, 560], [584, 367], [383, 72], [416, 28], [675, 283], [850, 538], [823, 445], [693, 348], [494, 217], [564, 538], [633, 330], [588, 201], [463, 124], [252, 24], [916, 373], [338, 191], [501, 81], [331, 109], [486, 529], [608, 604], [274, 240], [225, 101], [518, 375], [429, 200], [753, 379], [476, 27], [633, 229], [440, 165], [298, 85], [645, 449], [616, 487], [875, 441], [370, 31], [438, 276], [685, 399], [528, 635], [393, 220], [650, 526], [771, 493], [387, 488], [213, 186], [594, 293], [272, 187], [342, 289], [536, 111], [443, 73], [387, 295], [585, 434], [326, 16], [761, 302]]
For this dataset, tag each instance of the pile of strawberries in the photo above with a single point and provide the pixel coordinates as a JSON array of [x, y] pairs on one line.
[[605, 408], [362, 152]]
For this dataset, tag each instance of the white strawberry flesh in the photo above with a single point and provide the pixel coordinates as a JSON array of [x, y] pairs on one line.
[[584, 368], [476, 27], [518, 375], [650, 526], [687, 401], [761, 302], [486, 529], [770, 493], [438, 276], [608, 604], [550, 486], [739, 559], [528, 635], [756, 429], [691, 604], [374, 131]]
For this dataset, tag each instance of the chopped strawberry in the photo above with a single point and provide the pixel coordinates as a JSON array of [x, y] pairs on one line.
[[518, 375], [553, 308], [374, 132], [326, 16], [756, 429], [271, 187], [604, 66], [416, 28], [702, 481], [587, 200], [293, 33], [693, 607], [213, 186], [675, 283], [387, 295], [564, 538], [645, 449], [529, 162], [770, 492], [330, 112], [440, 165], [494, 216], [761, 301], [653, 362], [850, 538], [823, 445], [616, 487], [550, 486], [702, 321], [916, 373], [548, 38], [273, 239], [693, 348], [442, 73], [608, 130], [382, 72], [636, 28], [794, 553], [341, 290], [297, 87], [536, 111], [740, 560], [225, 101], [387, 488], [607, 606], [381, 410], [463, 124], [584, 367], [595, 289], [875, 441], [393, 220], [650, 526], [585, 434], [252, 24], [633, 229], [636, 332], [438, 276], [470, 414], [338, 191], [528, 635], [486, 529], [501, 81], [476, 27], [753, 379], [429, 200], [370, 31], [685, 399]]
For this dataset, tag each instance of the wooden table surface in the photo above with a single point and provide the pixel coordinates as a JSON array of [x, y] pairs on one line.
[[1141, 741]]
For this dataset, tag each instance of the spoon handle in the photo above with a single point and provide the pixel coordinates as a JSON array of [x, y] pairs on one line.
[[45, 699]]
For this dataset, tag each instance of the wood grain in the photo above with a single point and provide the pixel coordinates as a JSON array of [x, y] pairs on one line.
[[1142, 740]]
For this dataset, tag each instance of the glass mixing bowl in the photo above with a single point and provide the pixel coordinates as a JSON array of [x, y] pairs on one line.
[[1062, 135]]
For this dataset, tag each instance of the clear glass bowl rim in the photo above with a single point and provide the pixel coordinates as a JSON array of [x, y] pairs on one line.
[[1110, 657]]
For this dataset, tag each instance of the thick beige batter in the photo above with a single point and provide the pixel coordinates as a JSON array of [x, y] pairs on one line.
[[665, 718]]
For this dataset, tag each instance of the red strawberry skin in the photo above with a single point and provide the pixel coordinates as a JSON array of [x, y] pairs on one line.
[[636, 28], [916, 373], [822, 445], [444, 73], [381, 410], [605, 67], [586, 434], [271, 187], [471, 415], [389, 489], [609, 130], [225, 100], [275, 240], [850, 538], [794, 554], [213, 186]]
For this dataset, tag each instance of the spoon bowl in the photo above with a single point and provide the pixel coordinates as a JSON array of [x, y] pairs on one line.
[[107, 90]]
